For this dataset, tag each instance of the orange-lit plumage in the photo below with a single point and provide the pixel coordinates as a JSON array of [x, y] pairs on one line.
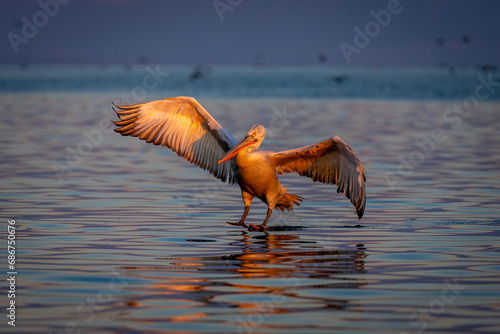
[[184, 126]]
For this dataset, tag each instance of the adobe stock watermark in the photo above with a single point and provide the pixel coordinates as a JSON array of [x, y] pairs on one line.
[[222, 6], [363, 37], [75, 154], [95, 304], [264, 309], [279, 121], [30, 27], [150, 81], [94, 137], [453, 119], [421, 318]]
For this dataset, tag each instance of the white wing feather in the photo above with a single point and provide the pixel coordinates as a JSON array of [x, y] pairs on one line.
[[183, 125], [330, 161]]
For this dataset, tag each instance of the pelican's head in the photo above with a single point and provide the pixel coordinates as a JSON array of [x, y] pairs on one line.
[[251, 141]]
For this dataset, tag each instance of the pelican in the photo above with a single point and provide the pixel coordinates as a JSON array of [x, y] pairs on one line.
[[184, 126]]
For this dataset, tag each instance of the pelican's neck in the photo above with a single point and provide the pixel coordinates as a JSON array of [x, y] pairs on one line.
[[245, 154], [250, 148]]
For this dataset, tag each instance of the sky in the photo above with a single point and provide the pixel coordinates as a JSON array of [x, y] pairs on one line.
[[245, 32]]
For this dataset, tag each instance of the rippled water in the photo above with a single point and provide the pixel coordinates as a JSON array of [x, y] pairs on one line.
[[118, 236], [379, 83]]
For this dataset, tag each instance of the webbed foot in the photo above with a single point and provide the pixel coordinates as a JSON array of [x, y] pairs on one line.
[[240, 223], [259, 228]]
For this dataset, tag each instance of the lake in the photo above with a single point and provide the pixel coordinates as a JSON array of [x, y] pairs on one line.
[[114, 235]]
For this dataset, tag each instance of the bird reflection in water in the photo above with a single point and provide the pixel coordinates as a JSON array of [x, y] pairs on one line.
[[281, 256], [275, 268]]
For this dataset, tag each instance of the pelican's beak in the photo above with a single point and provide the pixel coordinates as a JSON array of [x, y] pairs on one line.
[[247, 140]]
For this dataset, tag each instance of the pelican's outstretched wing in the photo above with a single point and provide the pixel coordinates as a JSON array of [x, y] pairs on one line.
[[183, 125], [330, 161]]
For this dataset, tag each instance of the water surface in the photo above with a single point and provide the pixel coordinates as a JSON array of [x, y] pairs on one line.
[[126, 237]]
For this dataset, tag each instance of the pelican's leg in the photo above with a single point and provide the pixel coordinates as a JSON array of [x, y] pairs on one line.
[[261, 227], [242, 220], [247, 199]]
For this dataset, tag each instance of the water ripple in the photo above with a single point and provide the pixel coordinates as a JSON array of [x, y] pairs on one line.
[[132, 239]]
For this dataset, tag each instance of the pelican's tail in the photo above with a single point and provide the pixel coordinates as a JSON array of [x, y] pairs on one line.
[[287, 201]]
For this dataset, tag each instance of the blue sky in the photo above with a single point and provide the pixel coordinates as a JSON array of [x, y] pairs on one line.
[[233, 32]]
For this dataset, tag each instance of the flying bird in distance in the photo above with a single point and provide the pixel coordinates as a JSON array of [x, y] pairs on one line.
[[184, 126]]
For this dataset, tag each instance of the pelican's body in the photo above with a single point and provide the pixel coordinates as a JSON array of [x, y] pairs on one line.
[[183, 125], [257, 176]]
